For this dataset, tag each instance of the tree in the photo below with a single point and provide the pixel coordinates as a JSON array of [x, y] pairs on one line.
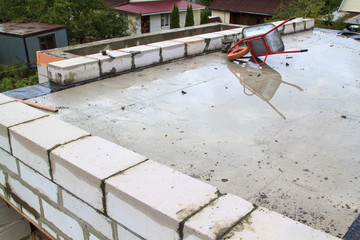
[[321, 10], [175, 17], [205, 13], [189, 18], [300, 8], [206, 2], [305, 8], [84, 19], [21, 10]]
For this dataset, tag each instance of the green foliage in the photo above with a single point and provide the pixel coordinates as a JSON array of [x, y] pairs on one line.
[[205, 13], [175, 17], [189, 18], [206, 2], [321, 10], [300, 8], [21, 10], [108, 24], [16, 76], [135, 24], [84, 19], [329, 22]]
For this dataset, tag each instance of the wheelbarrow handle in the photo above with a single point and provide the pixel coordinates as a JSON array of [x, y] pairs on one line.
[[303, 50], [292, 18]]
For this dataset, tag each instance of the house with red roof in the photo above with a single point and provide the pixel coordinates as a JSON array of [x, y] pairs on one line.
[[145, 16], [244, 12]]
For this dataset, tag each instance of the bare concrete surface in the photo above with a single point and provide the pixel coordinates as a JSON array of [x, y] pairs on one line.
[[224, 123]]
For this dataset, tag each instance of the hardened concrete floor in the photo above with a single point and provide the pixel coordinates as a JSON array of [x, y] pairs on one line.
[[196, 116]]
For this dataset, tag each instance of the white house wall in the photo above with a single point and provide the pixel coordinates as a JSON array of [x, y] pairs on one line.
[[224, 16], [155, 21], [197, 15]]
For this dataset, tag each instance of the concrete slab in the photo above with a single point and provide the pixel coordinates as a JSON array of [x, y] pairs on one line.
[[42, 73], [17, 230], [281, 28], [122, 61], [237, 30], [33, 140], [288, 28], [264, 224], [5, 99], [197, 116], [299, 24], [22, 114], [213, 221], [157, 197], [143, 55], [7, 214], [73, 70], [170, 49], [309, 23], [230, 34], [213, 40], [82, 162], [194, 45]]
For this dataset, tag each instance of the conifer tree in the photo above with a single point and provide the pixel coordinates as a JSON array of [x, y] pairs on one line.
[[175, 17], [189, 19]]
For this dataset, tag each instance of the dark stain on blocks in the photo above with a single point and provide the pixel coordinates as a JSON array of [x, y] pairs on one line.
[[21, 202], [187, 213]]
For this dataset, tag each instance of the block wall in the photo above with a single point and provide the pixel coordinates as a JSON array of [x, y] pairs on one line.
[[93, 66], [73, 185]]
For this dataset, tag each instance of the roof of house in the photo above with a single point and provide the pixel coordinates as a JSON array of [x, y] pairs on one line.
[[23, 30], [156, 6], [248, 6], [113, 3]]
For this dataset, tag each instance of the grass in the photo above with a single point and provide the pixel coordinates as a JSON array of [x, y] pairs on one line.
[[16, 76]]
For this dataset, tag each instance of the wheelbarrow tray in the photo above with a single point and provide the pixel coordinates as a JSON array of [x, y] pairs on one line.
[[260, 40], [273, 39]]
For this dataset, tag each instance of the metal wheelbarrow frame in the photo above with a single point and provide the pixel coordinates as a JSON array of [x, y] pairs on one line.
[[268, 42]]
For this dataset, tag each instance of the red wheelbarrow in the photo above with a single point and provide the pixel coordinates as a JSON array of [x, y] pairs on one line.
[[260, 40]]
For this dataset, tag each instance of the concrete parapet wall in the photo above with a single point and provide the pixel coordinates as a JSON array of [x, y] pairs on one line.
[[147, 53], [131, 41], [72, 185], [119, 62], [73, 70]]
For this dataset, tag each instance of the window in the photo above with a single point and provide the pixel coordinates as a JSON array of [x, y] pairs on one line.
[[165, 20], [47, 42]]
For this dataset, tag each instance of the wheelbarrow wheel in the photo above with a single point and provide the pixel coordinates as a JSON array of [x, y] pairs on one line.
[[238, 53]]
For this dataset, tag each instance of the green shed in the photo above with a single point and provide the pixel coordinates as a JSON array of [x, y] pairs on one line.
[[19, 42]]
